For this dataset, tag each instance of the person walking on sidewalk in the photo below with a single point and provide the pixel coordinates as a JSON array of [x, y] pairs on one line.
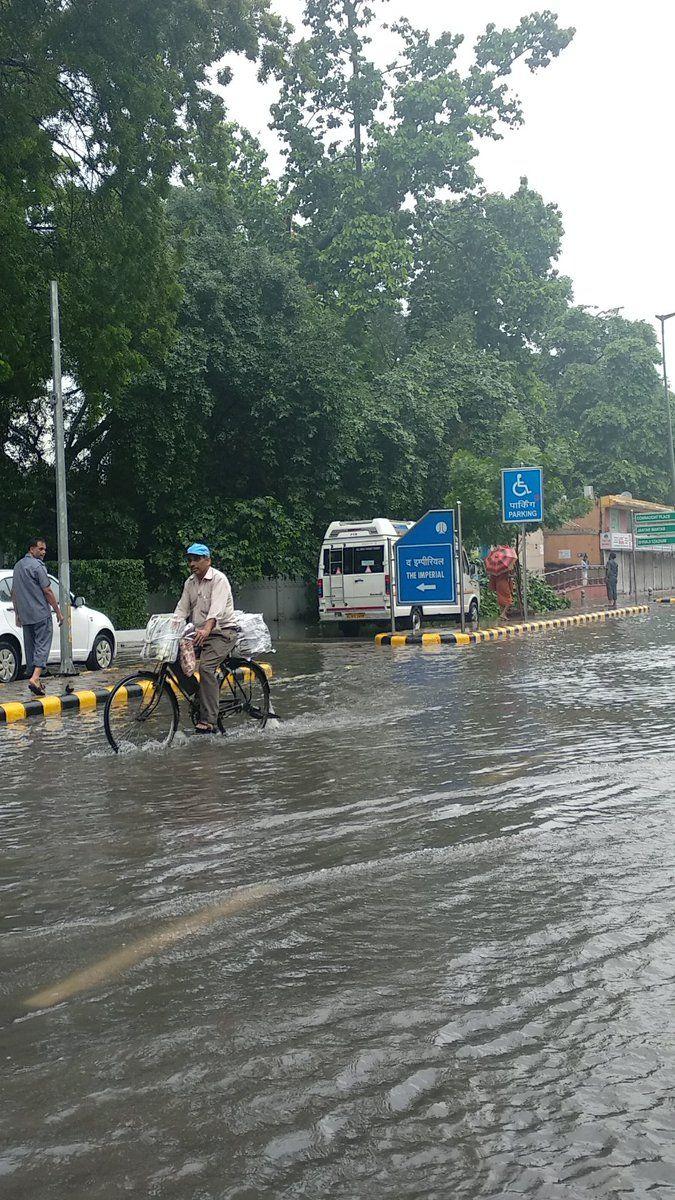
[[611, 578], [207, 602], [33, 599], [501, 585]]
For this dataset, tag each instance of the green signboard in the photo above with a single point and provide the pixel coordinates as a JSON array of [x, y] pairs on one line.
[[655, 539], [654, 518], [654, 529]]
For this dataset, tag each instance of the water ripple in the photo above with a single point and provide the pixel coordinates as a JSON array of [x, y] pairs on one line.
[[459, 986]]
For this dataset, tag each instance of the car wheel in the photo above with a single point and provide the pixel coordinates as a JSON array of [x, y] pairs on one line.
[[416, 618], [102, 652], [10, 660], [472, 615]]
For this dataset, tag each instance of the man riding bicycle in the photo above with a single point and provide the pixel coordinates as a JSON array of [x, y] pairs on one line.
[[207, 602]]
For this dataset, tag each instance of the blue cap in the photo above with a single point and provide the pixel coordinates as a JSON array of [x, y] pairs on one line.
[[200, 549]]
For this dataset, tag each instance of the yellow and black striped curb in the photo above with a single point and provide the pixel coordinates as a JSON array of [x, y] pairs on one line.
[[446, 638], [665, 600], [52, 706]]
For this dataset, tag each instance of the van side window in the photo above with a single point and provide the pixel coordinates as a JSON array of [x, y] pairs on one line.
[[326, 562]]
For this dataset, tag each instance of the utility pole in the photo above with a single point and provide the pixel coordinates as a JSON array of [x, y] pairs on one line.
[[67, 667], [663, 318], [633, 530]]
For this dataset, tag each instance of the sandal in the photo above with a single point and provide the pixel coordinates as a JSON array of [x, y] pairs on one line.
[[37, 689]]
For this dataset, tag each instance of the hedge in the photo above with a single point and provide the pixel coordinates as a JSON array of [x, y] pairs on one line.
[[541, 597], [115, 586]]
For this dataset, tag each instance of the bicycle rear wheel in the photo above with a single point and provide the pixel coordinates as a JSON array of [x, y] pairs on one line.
[[244, 694], [140, 710]]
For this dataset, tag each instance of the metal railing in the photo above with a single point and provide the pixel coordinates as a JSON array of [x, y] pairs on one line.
[[568, 579]]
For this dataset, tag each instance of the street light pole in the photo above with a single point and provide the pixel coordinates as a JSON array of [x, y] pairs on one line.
[[67, 667], [663, 318]]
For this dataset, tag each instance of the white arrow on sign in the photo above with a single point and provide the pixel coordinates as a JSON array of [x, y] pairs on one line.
[[426, 587]]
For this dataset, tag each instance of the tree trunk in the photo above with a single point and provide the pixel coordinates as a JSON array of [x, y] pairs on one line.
[[356, 71]]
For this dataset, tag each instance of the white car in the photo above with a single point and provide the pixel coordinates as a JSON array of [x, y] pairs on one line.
[[93, 634]]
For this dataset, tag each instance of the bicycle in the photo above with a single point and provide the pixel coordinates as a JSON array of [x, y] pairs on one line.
[[143, 708]]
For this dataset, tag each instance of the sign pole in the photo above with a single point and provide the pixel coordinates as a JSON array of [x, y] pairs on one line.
[[460, 567], [390, 563], [634, 557], [523, 535], [67, 667]]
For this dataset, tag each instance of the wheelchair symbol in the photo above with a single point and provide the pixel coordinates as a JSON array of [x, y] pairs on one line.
[[520, 488]]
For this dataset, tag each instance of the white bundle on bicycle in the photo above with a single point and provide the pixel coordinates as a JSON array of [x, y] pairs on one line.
[[162, 635], [254, 636]]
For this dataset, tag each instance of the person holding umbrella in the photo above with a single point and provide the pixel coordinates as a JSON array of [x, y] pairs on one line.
[[499, 566]]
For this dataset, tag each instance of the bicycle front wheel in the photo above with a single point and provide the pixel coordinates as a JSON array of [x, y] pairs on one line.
[[141, 710], [244, 693]]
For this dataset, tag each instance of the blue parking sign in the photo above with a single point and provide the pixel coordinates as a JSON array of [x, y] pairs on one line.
[[522, 494]]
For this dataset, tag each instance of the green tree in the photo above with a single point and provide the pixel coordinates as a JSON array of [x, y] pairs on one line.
[[444, 397], [249, 422], [608, 402], [248, 359], [366, 147], [491, 259], [476, 481], [97, 107]]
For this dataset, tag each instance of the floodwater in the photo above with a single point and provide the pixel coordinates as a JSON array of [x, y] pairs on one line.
[[414, 940]]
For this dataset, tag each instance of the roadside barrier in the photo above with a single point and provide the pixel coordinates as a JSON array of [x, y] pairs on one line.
[[84, 701], [665, 599], [500, 632]]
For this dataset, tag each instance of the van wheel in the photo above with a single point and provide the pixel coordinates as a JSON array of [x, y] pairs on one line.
[[10, 660], [416, 618], [472, 614], [102, 652]]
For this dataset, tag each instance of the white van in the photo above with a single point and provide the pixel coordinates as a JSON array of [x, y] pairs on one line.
[[354, 583]]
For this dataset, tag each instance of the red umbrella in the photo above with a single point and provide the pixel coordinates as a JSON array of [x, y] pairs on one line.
[[500, 559]]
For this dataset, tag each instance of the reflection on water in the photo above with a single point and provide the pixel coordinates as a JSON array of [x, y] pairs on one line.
[[453, 976]]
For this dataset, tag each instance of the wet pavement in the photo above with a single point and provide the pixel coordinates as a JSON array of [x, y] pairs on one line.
[[413, 940]]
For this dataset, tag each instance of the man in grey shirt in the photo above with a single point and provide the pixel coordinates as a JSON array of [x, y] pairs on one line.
[[33, 599]]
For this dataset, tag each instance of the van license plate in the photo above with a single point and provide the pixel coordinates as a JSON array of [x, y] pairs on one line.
[[356, 616]]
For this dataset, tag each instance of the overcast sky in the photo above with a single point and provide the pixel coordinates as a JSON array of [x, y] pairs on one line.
[[597, 140]]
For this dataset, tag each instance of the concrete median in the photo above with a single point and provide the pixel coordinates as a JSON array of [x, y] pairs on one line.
[[500, 632], [71, 702]]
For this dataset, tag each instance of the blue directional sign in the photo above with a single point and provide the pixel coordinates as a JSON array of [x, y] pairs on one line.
[[522, 494], [425, 560]]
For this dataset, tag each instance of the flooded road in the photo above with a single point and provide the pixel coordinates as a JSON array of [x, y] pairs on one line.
[[414, 940]]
